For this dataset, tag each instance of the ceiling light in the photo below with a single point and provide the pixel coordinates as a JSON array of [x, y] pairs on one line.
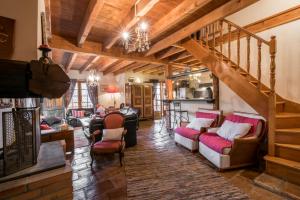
[[125, 35], [143, 26]]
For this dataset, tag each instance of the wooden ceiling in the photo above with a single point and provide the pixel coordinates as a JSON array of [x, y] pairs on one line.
[[85, 34]]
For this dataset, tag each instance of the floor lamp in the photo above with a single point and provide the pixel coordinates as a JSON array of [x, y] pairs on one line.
[[113, 90]]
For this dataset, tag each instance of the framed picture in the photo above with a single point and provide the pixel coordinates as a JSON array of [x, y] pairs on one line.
[[6, 37]]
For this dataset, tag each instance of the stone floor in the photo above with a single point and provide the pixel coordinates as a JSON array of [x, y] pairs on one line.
[[107, 180]]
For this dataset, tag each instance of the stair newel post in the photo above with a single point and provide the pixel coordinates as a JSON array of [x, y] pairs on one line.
[[221, 39], [238, 48], [259, 42], [248, 53], [229, 44], [272, 98]]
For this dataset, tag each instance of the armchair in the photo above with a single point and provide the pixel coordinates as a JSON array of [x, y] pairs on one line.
[[112, 121], [226, 154], [188, 137]]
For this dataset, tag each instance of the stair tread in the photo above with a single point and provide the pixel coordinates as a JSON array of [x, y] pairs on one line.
[[282, 161], [280, 102], [291, 146], [288, 130], [287, 115]]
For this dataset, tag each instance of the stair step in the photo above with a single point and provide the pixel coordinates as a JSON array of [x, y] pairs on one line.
[[288, 151], [287, 120], [288, 136], [283, 168], [243, 73]]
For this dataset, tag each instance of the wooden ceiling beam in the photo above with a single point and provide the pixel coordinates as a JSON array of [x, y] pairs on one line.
[[127, 68], [178, 57], [168, 52], [179, 13], [153, 69], [146, 67], [94, 48], [117, 67], [220, 12], [143, 7], [106, 62], [70, 62], [89, 64], [89, 20]]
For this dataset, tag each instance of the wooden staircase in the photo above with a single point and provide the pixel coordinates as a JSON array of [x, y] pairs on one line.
[[213, 46]]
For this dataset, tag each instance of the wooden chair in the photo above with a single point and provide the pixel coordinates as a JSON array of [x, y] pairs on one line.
[[112, 120]]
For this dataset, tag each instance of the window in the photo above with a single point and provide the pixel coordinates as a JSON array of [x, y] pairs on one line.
[[158, 88], [80, 98]]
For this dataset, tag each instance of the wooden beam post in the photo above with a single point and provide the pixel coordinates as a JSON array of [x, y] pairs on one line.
[[169, 84], [70, 61]]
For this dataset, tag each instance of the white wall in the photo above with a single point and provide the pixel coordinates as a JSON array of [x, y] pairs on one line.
[[27, 26], [287, 57]]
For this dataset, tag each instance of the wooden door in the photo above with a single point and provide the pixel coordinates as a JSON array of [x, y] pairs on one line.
[[137, 98], [148, 102]]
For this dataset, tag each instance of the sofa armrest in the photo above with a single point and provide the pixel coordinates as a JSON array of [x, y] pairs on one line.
[[244, 150], [213, 130]]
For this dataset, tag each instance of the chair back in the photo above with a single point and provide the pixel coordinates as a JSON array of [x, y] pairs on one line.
[[210, 114], [113, 120]]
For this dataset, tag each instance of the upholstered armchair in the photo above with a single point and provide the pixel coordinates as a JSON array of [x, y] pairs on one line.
[[239, 152], [110, 140], [189, 137]]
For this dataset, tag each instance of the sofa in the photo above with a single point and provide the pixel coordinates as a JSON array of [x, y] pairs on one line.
[[239, 152], [131, 125], [188, 137], [79, 117]]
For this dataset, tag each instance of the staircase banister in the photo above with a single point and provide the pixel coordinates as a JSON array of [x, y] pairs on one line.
[[246, 31]]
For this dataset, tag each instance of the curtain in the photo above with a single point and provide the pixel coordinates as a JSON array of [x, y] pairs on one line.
[[93, 94], [68, 95]]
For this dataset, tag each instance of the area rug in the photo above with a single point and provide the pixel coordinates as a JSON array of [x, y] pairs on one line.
[[158, 169]]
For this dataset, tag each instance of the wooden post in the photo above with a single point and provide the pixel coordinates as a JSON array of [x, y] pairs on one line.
[[272, 99], [221, 39], [214, 37], [216, 104], [259, 63], [229, 44], [238, 49], [248, 54], [206, 33], [169, 84]]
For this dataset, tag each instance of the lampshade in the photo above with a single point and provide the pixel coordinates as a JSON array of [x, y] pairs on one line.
[[112, 89]]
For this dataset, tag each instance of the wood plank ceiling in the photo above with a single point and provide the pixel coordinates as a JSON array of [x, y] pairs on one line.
[[85, 34]]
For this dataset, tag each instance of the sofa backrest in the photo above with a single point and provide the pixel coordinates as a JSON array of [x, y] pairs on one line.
[[257, 122], [210, 114]]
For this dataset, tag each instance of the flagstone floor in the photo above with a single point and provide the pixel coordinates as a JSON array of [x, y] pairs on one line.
[[107, 180]]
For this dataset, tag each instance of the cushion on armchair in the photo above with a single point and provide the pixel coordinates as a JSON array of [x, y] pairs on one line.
[[107, 146], [188, 133], [216, 143], [230, 130], [198, 123], [112, 134]]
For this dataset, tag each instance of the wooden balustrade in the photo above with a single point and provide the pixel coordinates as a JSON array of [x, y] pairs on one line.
[[238, 49], [259, 63], [248, 53], [229, 44]]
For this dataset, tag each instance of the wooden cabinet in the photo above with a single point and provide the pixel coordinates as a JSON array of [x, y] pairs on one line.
[[140, 96]]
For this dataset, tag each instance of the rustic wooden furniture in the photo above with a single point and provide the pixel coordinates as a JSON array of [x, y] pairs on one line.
[[140, 96], [112, 120], [67, 135]]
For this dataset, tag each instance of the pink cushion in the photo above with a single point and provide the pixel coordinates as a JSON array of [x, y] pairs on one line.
[[215, 142], [188, 133], [208, 116], [242, 119], [107, 146]]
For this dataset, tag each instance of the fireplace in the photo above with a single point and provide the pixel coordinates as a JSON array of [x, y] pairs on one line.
[[20, 140]]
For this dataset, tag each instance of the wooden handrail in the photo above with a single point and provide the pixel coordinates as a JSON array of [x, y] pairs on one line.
[[247, 32]]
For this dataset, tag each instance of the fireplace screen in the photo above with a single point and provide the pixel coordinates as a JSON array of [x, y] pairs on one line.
[[21, 140]]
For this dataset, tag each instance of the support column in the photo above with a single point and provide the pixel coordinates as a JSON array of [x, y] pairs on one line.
[[169, 85]]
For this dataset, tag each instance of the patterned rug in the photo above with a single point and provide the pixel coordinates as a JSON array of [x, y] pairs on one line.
[[158, 169]]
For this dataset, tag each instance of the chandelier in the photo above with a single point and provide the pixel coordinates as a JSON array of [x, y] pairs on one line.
[[139, 41], [93, 78]]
